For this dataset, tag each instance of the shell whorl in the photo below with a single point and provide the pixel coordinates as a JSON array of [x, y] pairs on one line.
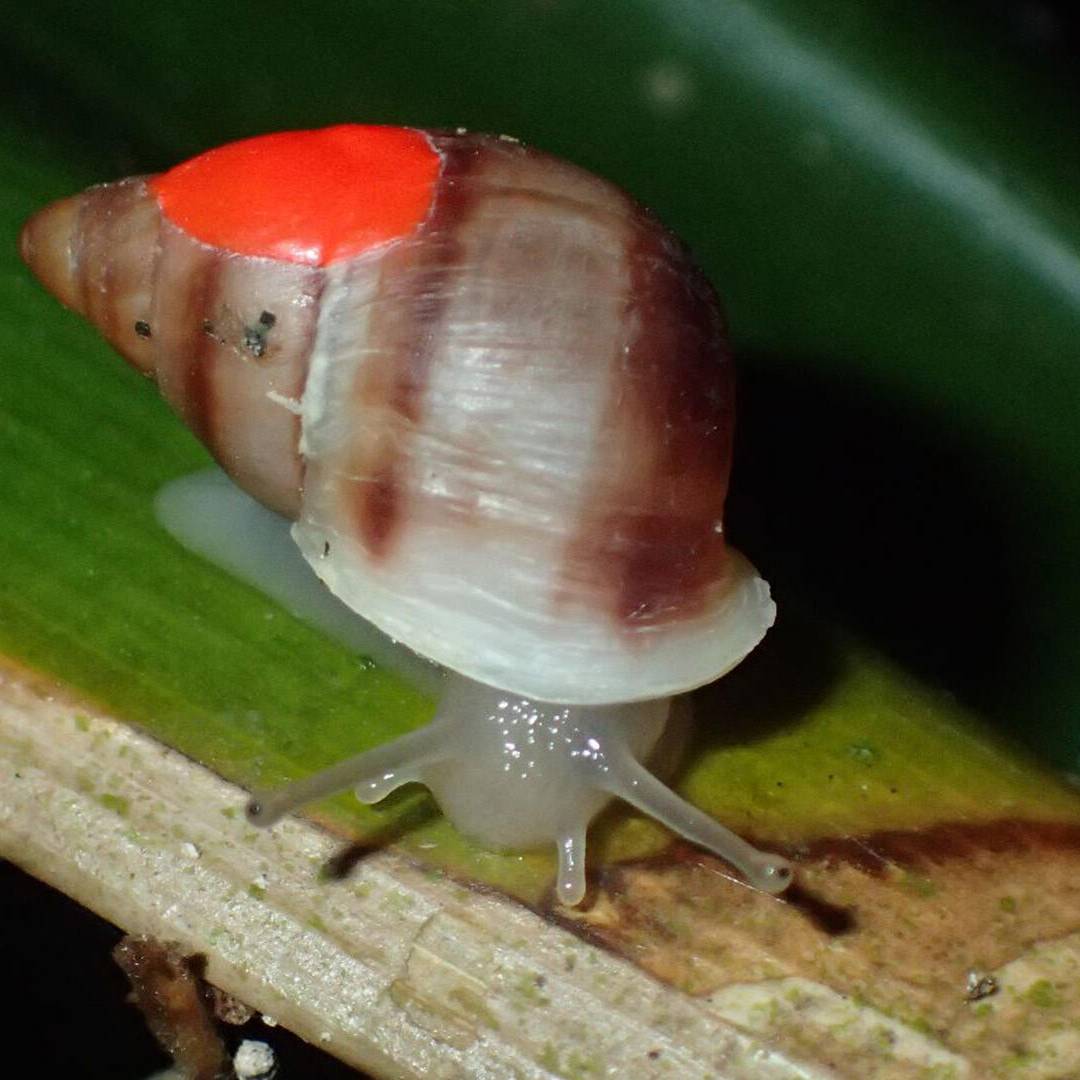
[[515, 432], [192, 317]]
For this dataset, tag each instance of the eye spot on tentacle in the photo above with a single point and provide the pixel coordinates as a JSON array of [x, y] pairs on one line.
[[779, 875], [142, 328]]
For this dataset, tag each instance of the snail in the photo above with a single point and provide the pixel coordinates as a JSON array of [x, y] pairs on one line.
[[494, 396]]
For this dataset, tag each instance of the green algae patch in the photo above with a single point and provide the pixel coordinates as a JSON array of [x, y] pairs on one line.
[[1043, 994], [116, 803], [473, 1005]]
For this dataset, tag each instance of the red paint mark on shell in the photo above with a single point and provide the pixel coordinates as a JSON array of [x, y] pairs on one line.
[[310, 197]]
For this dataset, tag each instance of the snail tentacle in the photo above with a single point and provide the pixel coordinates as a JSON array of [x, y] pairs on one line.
[[570, 882], [630, 781], [373, 774]]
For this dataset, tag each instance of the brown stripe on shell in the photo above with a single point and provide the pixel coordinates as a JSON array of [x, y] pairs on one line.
[[233, 337], [403, 335], [184, 307], [649, 547], [199, 397], [199, 356], [114, 250]]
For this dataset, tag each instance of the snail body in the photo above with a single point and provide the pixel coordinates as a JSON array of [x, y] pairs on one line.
[[494, 396]]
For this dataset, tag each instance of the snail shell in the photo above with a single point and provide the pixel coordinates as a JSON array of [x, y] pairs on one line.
[[500, 409], [493, 393]]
